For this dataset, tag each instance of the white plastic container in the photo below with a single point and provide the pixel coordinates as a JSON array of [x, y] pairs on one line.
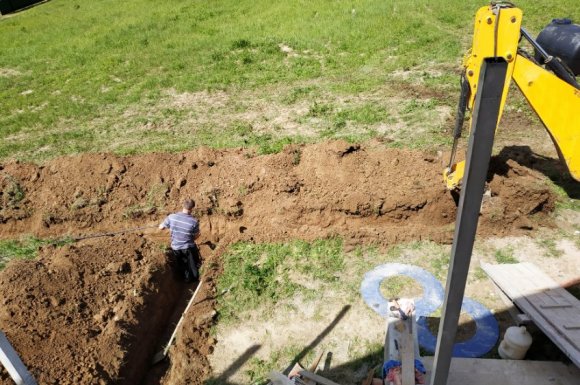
[[515, 344]]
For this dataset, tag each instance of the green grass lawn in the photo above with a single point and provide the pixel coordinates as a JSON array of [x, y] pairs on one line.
[[79, 76]]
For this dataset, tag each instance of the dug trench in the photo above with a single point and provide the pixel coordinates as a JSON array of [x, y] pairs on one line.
[[96, 311]]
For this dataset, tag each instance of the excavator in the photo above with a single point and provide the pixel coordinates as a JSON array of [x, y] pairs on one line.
[[547, 79]]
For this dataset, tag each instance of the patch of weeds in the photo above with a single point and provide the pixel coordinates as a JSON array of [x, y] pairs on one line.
[[296, 156], [267, 144], [258, 369], [319, 110], [417, 105], [259, 275], [242, 134], [358, 251], [25, 248], [549, 245], [153, 202], [359, 348], [241, 44], [50, 218], [79, 203], [565, 187], [100, 197], [365, 114], [479, 274], [242, 191], [400, 286], [394, 252], [297, 94], [440, 265], [505, 255], [12, 193]]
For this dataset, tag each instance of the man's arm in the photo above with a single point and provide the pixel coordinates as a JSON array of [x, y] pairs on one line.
[[196, 232], [164, 224]]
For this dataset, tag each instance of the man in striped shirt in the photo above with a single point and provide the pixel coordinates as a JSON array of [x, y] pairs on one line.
[[184, 230]]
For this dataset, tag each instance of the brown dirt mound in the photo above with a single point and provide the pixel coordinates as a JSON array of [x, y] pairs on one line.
[[95, 312]]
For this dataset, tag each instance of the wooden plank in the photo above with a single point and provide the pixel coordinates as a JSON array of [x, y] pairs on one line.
[[519, 282], [319, 379], [518, 317], [508, 278], [476, 371], [557, 316], [14, 366], [556, 306], [407, 350], [548, 282]]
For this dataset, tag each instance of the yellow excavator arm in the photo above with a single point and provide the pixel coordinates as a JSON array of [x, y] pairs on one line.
[[497, 33]]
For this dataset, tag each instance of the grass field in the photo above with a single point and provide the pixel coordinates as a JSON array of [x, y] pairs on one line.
[[141, 75]]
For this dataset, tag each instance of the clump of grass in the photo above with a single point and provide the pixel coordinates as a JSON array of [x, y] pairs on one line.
[[243, 135], [318, 110], [416, 105], [12, 192], [565, 188], [368, 113], [479, 274], [549, 245], [400, 286], [440, 265], [25, 248], [153, 202], [258, 368], [505, 255], [79, 203], [298, 93], [296, 156], [260, 275]]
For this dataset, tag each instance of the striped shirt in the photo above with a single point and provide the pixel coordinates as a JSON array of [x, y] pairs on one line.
[[183, 228]]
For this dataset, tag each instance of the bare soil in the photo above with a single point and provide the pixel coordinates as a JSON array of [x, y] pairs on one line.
[[95, 311]]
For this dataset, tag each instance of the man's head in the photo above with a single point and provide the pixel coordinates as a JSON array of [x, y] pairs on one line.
[[188, 205]]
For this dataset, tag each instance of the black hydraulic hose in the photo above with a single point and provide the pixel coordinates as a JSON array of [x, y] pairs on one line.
[[552, 62], [460, 117], [112, 233]]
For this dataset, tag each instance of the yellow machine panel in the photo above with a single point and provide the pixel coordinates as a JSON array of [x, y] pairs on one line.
[[497, 32]]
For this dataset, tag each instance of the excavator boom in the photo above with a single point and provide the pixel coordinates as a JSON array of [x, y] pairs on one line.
[[556, 100]]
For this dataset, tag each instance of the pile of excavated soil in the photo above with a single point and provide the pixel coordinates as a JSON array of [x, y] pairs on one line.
[[96, 311], [78, 313]]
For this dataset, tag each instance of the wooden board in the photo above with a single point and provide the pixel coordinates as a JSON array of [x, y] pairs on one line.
[[477, 371], [315, 377], [407, 350], [14, 366], [554, 310]]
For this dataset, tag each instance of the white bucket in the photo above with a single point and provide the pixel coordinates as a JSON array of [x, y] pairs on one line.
[[515, 344]]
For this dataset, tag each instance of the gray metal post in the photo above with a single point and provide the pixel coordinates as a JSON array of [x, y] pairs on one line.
[[485, 116]]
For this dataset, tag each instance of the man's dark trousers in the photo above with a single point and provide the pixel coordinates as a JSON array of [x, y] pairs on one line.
[[188, 262]]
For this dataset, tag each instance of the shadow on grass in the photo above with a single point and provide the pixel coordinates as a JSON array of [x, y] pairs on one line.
[[542, 349], [247, 355]]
